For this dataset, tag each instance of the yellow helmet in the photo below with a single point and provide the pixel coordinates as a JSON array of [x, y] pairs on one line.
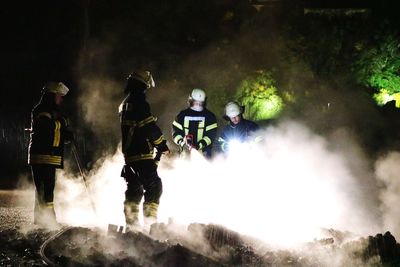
[[144, 77]]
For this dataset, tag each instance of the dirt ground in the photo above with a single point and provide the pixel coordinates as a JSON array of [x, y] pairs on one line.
[[21, 241]]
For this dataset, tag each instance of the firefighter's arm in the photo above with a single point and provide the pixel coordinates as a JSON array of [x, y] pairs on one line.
[[153, 132], [178, 133], [67, 131], [223, 141], [128, 126], [157, 140], [210, 132]]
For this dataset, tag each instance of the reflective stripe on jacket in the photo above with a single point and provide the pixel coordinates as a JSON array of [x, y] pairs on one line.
[[140, 133]]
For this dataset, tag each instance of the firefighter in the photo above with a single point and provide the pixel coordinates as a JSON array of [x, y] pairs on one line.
[[239, 129], [140, 135], [195, 127], [49, 130]]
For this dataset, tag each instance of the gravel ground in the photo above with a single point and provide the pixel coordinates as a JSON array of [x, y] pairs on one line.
[[20, 240]]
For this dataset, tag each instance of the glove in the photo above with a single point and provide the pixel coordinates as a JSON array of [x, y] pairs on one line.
[[202, 144], [163, 148], [181, 143]]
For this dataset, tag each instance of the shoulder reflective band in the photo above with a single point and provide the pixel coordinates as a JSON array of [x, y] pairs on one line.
[[146, 121], [212, 126], [44, 114], [57, 134], [177, 125]]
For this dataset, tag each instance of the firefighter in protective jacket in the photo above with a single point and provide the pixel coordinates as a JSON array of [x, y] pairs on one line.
[[239, 129], [49, 131], [196, 126], [140, 135]]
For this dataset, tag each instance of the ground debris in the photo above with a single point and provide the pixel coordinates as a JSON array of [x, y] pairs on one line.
[[196, 245]]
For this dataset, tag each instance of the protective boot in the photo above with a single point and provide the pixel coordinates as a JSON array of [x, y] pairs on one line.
[[131, 210], [149, 213], [45, 216]]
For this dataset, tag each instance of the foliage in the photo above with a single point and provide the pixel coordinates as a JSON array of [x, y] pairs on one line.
[[378, 67], [260, 97]]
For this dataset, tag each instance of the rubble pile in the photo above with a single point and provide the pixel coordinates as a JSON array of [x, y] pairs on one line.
[[21, 249], [211, 245]]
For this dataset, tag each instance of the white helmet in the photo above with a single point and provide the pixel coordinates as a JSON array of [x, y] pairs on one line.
[[232, 109], [57, 88], [198, 95]]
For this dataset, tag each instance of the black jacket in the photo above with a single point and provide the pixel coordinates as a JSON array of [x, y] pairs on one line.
[[202, 125], [140, 134], [48, 133], [240, 132]]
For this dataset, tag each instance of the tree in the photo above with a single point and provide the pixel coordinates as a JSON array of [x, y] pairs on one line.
[[260, 97], [378, 67]]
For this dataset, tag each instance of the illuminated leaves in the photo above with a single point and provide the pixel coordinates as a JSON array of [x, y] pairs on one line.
[[378, 67], [260, 97]]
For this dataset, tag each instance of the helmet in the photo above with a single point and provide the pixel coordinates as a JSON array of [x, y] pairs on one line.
[[197, 95], [143, 77], [57, 88], [232, 109]]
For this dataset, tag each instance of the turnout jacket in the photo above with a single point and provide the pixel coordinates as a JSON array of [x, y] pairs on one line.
[[140, 134], [201, 124], [48, 133], [240, 132]]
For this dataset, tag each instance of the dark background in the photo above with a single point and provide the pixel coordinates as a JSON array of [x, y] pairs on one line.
[[179, 41]]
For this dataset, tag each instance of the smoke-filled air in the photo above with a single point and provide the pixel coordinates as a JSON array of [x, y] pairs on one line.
[[285, 189]]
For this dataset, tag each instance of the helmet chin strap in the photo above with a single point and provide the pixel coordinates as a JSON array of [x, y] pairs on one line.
[[197, 107]]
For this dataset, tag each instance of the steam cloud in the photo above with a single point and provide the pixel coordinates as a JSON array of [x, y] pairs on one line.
[[387, 172], [283, 190]]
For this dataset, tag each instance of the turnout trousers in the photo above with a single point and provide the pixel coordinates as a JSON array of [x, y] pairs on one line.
[[142, 180], [44, 179]]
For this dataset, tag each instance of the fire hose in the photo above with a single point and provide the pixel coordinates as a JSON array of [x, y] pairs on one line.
[[82, 173], [43, 247]]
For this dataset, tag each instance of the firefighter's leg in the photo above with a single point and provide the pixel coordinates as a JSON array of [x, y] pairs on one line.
[[153, 190], [44, 180], [133, 195]]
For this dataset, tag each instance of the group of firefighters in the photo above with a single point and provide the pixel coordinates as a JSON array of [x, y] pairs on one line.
[[143, 143]]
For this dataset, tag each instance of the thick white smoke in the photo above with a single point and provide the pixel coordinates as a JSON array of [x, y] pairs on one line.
[[387, 172], [99, 201], [282, 190]]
